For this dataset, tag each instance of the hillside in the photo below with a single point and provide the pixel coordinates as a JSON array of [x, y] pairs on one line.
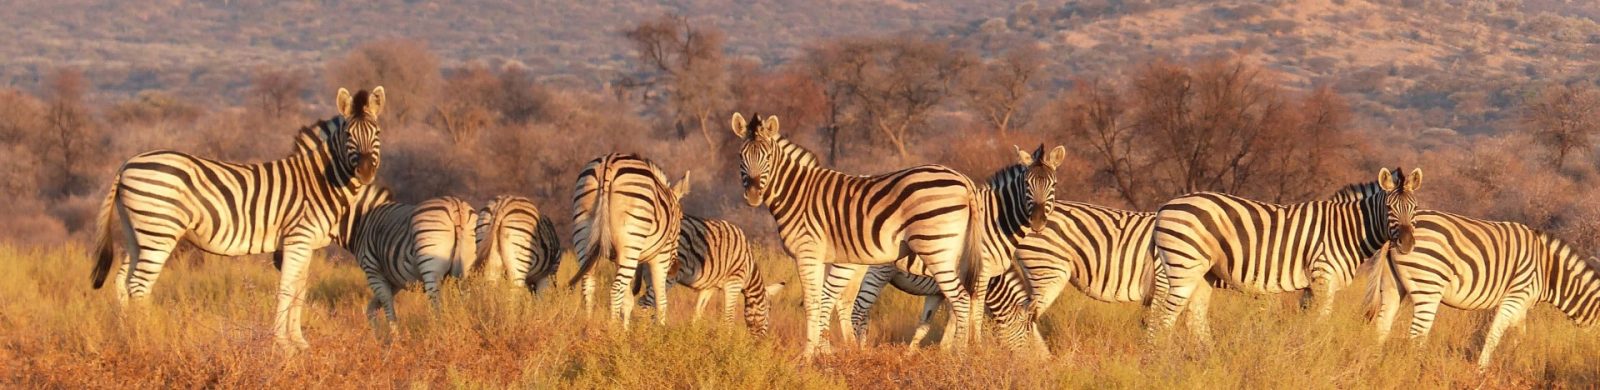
[[1411, 64]]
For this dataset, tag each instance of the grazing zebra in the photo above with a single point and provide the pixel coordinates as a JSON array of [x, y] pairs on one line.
[[837, 224], [712, 255], [1209, 238], [1472, 264], [290, 206], [517, 242], [398, 245], [1017, 200], [1104, 252], [623, 209]]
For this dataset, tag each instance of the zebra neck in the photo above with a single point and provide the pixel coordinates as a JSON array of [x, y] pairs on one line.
[[1353, 232], [1570, 283], [793, 166], [1006, 210]]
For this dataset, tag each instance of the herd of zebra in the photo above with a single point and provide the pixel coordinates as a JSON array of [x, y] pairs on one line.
[[1006, 243]]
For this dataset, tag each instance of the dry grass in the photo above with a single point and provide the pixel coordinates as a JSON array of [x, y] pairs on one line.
[[209, 325]]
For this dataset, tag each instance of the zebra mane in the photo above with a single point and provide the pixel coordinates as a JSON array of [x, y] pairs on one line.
[[806, 157], [1007, 175], [1357, 192]]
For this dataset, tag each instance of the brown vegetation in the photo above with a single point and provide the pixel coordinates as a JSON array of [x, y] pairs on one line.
[[1196, 116]]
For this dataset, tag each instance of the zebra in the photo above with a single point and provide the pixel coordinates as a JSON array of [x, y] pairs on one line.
[[1206, 239], [838, 224], [398, 245], [1473, 264], [1018, 199], [623, 209], [290, 207], [713, 254], [1104, 252], [517, 242]]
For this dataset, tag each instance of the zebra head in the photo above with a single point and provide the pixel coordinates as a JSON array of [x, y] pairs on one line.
[[757, 155], [1400, 198], [360, 112], [1040, 179]]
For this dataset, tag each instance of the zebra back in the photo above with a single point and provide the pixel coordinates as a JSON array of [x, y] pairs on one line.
[[608, 189], [517, 241]]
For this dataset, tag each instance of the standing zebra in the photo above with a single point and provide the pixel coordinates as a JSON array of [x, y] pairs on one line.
[[1209, 238], [713, 254], [1104, 252], [1472, 264], [290, 206], [624, 210], [1017, 203], [836, 223], [517, 242], [399, 244]]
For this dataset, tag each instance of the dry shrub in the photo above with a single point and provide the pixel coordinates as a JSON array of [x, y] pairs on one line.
[[408, 72]]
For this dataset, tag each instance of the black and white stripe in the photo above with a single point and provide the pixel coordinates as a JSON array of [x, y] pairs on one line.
[[518, 243], [714, 255], [1209, 238], [1104, 252], [1017, 200], [624, 210], [290, 206], [1472, 264], [835, 224], [399, 245]]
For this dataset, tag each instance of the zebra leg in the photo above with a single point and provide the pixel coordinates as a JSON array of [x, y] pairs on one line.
[[701, 298], [148, 255], [627, 267], [941, 264], [1048, 283], [980, 312], [732, 296], [840, 278], [120, 282], [291, 297], [1512, 309], [930, 304], [811, 272], [587, 288], [1389, 301], [658, 281], [1424, 307], [1199, 303], [859, 311]]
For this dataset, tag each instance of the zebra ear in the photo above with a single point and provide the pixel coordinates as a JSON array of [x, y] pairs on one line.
[[1023, 157], [1414, 181], [739, 126], [1386, 180], [344, 102], [1055, 157], [374, 104], [769, 129], [681, 189]]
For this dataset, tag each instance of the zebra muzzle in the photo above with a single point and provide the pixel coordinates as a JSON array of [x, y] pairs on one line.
[[1404, 240], [752, 196], [367, 169]]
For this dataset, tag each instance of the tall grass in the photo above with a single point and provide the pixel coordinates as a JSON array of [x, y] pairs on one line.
[[209, 324]]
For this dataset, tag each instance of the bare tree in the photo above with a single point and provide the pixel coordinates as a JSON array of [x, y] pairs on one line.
[[1000, 89], [1564, 119], [467, 105], [68, 123], [1092, 114], [894, 83], [276, 91], [405, 68], [686, 61]]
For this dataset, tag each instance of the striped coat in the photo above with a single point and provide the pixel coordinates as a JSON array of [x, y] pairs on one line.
[[835, 224], [714, 255], [1207, 239], [517, 242], [624, 210], [289, 207], [400, 245], [1473, 264]]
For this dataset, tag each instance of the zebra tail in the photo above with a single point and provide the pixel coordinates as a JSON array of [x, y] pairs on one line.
[[599, 231], [972, 249], [103, 252], [466, 248], [1380, 281]]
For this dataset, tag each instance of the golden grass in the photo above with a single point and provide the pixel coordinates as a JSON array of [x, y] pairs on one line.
[[209, 325]]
